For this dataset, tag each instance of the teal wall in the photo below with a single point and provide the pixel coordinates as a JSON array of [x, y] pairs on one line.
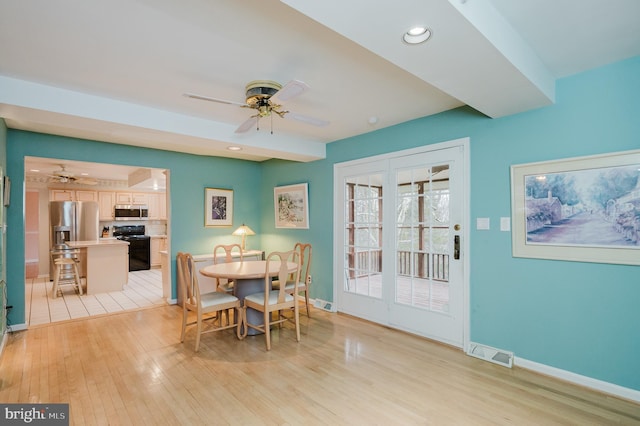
[[190, 175], [579, 317]]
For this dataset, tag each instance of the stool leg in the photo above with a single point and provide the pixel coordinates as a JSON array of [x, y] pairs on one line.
[[77, 278], [56, 277]]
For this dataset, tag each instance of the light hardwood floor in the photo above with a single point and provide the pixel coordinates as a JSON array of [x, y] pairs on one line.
[[130, 368], [143, 290]]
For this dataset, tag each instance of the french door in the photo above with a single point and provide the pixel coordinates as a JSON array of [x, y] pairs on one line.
[[400, 240]]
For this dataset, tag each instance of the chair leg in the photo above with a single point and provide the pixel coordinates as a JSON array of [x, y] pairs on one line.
[[267, 329], [184, 324], [239, 321], [245, 322], [198, 331], [296, 316], [306, 301]]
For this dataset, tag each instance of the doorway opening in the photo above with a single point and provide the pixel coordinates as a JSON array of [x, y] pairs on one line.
[[48, 179]]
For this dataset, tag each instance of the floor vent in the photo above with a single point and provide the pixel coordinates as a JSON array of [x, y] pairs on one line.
[[323, 304], [497, 356]]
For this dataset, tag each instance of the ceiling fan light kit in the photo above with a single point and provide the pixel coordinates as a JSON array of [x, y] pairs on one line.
[[266, 97], [260, 89]]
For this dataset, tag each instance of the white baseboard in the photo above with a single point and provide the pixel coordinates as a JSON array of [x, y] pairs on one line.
[[17, 327], [599, 385]]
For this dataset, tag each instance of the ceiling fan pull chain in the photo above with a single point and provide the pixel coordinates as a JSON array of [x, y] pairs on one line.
[[271, 116]]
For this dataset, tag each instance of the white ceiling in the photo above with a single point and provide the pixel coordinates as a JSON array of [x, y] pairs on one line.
[[116, 70], [42, 170]]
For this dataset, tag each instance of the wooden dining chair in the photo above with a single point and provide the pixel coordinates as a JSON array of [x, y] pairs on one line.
[[271, 302], [203, 305], [222, 284], [226, 285], [305, 252]]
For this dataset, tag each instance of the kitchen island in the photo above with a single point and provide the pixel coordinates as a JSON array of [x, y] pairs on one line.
[[107, 267]]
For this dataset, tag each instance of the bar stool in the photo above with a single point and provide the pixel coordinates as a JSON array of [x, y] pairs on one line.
[[66, 273]]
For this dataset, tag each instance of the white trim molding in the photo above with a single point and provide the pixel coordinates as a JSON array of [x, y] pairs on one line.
[[599, 385], [17, 327]]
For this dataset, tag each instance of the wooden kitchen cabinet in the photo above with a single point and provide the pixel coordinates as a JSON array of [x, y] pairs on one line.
[[70, 195], [123, 198], [157, 203], [131, 198], [158, 244], [139, 198], [62, 195], [106, 201], [162, 206], [86, 195]]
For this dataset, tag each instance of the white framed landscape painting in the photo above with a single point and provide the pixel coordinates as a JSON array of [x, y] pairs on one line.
[[579, 209]]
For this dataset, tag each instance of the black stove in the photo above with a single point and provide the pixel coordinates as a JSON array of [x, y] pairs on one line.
[[139, 245]]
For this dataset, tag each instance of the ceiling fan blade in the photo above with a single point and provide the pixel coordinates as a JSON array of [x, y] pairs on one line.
[[207, 98], [290, 90], [251, 122], [306, 119]]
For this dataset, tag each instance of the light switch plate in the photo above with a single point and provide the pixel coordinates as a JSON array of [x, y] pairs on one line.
[[483, 223], [505, 224]]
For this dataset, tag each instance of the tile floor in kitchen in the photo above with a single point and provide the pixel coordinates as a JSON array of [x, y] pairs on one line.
[[143, 290]]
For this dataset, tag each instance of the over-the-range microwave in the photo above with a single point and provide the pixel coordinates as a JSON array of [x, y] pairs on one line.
[[131, 212]]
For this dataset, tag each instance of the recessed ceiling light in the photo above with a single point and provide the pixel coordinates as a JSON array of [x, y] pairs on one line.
[[234, 148], [416, 35], [35, 170]]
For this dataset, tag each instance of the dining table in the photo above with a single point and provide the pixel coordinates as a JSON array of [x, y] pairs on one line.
[[249, 278]]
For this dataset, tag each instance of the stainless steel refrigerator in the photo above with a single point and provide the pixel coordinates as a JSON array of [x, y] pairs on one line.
[[71, 221]]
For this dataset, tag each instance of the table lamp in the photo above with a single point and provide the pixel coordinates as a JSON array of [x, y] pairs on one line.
[[243, 230]]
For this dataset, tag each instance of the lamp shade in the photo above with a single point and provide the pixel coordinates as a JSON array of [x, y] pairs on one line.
[[243, 231]]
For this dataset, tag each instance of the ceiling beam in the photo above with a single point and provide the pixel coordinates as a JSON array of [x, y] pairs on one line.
[[144, 126]]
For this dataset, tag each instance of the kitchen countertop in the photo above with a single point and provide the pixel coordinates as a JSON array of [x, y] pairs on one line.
[[95, 243]]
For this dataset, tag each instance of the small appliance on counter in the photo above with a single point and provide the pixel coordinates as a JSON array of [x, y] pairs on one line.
[[105, 232], [139, 245]]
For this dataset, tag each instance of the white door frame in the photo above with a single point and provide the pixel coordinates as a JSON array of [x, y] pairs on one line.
[[463, 144]]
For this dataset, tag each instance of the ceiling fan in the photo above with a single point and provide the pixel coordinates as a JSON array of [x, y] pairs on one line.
[[266, 97], [63, 176]]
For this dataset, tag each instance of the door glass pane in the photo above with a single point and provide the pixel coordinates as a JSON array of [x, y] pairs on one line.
[[422, 238], [363, 235]]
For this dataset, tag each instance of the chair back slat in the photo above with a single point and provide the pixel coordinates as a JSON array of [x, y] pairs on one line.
[[228, 252], [305, 260], [283, 273], [228, 258], [187, 278]]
